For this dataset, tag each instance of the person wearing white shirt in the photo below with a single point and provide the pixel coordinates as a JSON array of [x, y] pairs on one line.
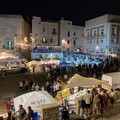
[[88, 98], [37, 87]]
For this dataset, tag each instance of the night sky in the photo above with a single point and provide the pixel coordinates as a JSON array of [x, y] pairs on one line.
[[77, 11]]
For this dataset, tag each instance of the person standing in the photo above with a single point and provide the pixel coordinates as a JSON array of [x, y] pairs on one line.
[[12, 104], [8, 105], [112, 98], [30, 113], [22, 112], [88, 99], [11, 116], [21, 85], [65, 114]]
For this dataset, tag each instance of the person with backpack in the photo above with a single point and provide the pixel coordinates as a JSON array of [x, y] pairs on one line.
[[22, 113]]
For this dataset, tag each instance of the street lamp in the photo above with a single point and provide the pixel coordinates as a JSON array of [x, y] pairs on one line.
[[64, 44], [97, 48]]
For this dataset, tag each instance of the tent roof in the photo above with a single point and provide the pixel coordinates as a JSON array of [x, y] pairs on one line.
[[10, 59], [33, 62], [115, 77], [34, 99], [78, 80], [113, 74]]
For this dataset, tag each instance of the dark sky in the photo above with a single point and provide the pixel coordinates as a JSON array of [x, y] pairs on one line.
[[77, 11]]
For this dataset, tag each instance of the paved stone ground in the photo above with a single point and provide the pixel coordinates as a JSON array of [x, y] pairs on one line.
[[112, 114], [9, 87]]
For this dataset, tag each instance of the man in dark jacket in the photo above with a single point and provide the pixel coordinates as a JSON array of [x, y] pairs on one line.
[[65, 114], [30, 113]]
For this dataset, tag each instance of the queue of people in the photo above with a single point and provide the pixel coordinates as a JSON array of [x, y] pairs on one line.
[[95, 103]]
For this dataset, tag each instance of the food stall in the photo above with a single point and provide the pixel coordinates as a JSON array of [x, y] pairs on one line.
[[78, 85]]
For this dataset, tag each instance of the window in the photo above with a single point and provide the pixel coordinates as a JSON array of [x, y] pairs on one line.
[[43, 29], [87, 41], [44, 40], [74, 33], [88, 33], [113, 30], [93, 41], [68, 34], [9, 45], [118, 50], [68, 23], [110, 49], [51, 40], [68, 42], [101, 50], [74, 42], [101, 41], [54, 31], [113, 40], [102, 32], [94, 32]]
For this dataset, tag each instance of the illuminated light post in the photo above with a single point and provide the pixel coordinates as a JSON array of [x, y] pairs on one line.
[[33, 42], [25, 40], [97, 49], [64, 44]]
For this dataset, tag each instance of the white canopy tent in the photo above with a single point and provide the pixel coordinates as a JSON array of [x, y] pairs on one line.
[[113, 79], [52, 61], [78, 80], [33, 62], [9, 60], [34, 99]]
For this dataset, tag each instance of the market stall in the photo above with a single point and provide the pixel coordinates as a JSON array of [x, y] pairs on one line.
[[34, 66], [10, 63], [77, 85], [113, 79], [78, 80], [34, 99]]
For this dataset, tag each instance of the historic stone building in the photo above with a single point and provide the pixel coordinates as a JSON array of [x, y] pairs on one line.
[[102, 35], [44, 33], [61, 33], [71, 36], [14, 34]]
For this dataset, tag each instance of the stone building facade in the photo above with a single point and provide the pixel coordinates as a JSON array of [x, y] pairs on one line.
[[102, 35], [14, 34], [71, 36], [61, 33]]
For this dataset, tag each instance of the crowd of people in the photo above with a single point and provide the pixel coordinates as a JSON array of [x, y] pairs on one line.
[[95, 102], [21, 114]]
